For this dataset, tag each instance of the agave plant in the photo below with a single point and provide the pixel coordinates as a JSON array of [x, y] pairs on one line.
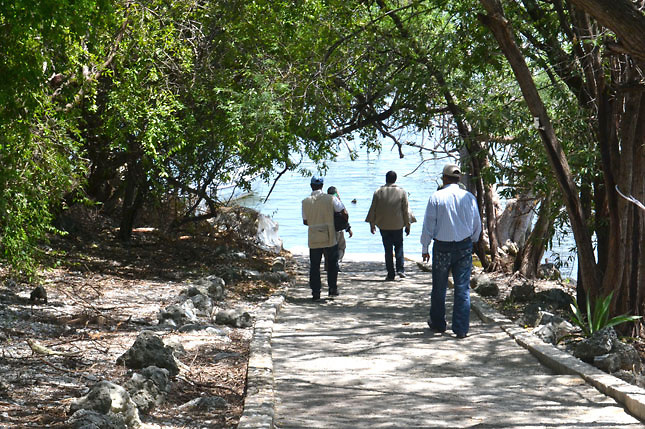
[[599, 319]]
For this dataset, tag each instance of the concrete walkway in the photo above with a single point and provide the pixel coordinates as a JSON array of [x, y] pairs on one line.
[[368, 360]]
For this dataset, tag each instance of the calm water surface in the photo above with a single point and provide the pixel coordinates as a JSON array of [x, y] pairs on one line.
[[357, 180]]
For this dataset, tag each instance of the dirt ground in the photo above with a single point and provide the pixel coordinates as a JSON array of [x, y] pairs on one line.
[[101, 294]]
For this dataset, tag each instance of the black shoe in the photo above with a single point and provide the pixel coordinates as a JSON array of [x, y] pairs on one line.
[[333, 292], [402, 275], [461, 336], [315, 298], [436, 330], [389, 279]]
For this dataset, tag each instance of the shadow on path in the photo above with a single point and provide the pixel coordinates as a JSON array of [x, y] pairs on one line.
[[367, 359]]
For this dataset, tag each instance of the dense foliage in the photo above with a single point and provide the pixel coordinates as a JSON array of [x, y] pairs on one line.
[[39, 137]]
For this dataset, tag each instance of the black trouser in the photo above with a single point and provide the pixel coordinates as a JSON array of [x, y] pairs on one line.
[[331, 260], [393, 239]]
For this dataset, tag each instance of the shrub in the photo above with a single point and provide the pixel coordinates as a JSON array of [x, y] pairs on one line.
[[599, 319]]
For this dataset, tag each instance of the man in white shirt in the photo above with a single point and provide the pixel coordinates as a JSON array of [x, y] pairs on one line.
[[452, 220], [318, 214]]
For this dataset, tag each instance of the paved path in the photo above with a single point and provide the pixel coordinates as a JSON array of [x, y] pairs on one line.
[[368, 360]]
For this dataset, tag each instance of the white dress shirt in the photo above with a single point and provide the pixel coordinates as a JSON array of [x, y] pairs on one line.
[[451, 215]]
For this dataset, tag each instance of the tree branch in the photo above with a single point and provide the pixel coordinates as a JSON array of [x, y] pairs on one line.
[[621, 17], [631, 199], [87, 76]]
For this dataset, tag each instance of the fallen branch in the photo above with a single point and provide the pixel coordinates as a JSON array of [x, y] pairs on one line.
[[46, 362], [65, 370], [38, 349], [210, 385]]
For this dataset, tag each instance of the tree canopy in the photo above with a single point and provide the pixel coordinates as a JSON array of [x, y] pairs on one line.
[[130, 104]]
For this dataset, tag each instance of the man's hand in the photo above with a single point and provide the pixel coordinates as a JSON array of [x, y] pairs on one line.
[[351, 234], [426, 257], [373, 228], [407, 230]]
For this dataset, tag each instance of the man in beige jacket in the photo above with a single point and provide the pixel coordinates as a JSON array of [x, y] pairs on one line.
[[390, 212], [318, 214]]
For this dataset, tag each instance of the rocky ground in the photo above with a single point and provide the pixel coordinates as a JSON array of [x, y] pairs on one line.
[[521, 308], [101, 293]]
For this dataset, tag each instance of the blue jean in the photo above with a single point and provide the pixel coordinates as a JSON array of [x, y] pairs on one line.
[[331, 261], [393, 239], [458, 258]]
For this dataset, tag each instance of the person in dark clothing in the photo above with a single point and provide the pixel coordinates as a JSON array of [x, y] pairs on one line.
[[390, 212]]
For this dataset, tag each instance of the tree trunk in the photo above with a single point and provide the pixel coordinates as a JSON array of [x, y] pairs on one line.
[[631, 294], [477, 154], [478, 161], [638, 281], [132, 200], [129, 215], [500, 28], [528, 258], [515, 222]]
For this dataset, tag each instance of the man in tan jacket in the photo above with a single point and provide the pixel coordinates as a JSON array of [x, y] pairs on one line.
[[318, 214], [390, 212]]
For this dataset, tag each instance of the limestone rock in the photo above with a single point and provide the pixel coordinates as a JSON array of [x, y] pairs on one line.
[[523, 293], [478, 279], [206, 403], [533, 313], [149, 387], [630, 377], [548, 272], [201, 301], [251, 274], [599, 343], [39, 294], [176, 345], [88, 419], [214, 285], [236, 255], [555, 299], [276, 277], [609, 362], [628, 357], [554, 331], [178, 314], [278, 264], [510, 248], [111, 400], [149, 350], [236, 318], [487, 289]]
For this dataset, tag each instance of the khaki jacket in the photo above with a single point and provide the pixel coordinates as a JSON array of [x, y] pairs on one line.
[[389, 209], [319, 211]]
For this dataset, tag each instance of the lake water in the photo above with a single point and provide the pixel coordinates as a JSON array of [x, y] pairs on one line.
[[357, 180]]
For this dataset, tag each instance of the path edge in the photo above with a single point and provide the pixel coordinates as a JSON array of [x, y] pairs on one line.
[[628, 395], [259, 402]]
